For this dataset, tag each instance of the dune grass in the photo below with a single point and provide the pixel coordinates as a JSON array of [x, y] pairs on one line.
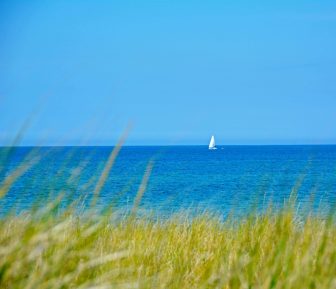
[[50, 248], [86, 251]]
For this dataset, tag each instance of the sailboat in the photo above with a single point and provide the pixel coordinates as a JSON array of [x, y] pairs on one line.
[[212, 145]]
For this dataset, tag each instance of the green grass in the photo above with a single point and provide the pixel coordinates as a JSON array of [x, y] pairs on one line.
[[86, 251]]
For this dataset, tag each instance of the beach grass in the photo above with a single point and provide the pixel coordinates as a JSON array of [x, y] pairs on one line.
[[50, 246], [272, 250]]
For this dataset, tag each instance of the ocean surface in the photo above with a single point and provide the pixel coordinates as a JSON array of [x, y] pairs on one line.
[[231, 178]]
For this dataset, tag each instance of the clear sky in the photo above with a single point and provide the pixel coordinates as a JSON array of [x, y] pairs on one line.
[[250, 72]]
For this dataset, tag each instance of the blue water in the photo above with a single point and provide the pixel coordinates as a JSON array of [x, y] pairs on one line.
[[183, 177]]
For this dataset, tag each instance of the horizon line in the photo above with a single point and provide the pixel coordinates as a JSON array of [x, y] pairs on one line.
[[166, 145]]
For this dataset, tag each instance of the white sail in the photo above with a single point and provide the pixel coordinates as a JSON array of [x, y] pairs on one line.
[[212, 144]]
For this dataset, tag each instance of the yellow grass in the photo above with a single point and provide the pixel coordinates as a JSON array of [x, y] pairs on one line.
[[87, 251]]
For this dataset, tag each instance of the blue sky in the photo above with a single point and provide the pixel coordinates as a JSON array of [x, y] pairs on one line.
[[250, 72]]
